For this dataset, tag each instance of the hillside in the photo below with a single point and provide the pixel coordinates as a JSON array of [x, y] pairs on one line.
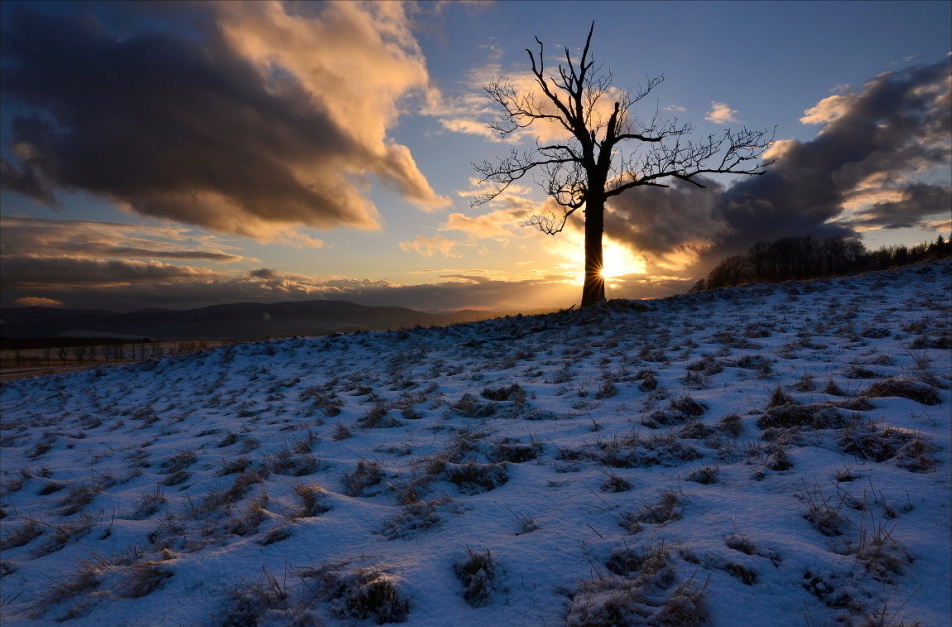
[[767, 455], [238, 321]]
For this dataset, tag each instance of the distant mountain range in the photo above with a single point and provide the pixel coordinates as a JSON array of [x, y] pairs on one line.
[[240, 321]]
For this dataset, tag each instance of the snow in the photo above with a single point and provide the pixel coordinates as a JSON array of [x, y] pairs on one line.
[[164, 492]]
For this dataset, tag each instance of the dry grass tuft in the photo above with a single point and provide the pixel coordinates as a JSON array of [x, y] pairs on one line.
[[881, 554], [360, 594], [413, 519], [378, 417], [814, 416], [252, 600], [364, 479], [706, 475], [637, 594], [822, 514], [475, 478], [686, 607], [21, 536], [906, 388], [148, 504], [77, 498], [478, 573], [142, 579], [912, 451], [312, 500]]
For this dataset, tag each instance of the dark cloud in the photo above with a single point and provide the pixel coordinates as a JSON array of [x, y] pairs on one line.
[[918, 202], [178, 124], [876, 141], [100, 240], [659, 220], [24, 272], [26, 180], [263, 273]]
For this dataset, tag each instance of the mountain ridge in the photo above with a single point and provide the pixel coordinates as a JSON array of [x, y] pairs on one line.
[[232, 321]]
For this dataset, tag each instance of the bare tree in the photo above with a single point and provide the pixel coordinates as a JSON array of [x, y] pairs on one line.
[[606, 149]]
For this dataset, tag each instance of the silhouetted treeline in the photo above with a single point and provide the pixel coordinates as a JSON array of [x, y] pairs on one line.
[[798, 258], [80, 351], [11, 343]]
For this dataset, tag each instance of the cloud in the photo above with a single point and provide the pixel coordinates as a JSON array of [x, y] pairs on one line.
[[881, 159], [829, 109], [667, 222], [915, 203], [263, 273], [721, 113], [27, 272], [25, 181], [57, 260], [470, 111], [36, 301], [429, 246], [510, 212], [81, 238], [502, 224], [242, 118], [887, 138]]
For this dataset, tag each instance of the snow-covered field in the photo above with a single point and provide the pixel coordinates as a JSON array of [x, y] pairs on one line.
[[767, 455]]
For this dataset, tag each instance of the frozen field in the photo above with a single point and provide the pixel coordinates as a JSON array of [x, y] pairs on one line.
[[766, 455]]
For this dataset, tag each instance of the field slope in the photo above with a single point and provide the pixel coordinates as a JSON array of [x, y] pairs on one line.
[[766, 455]]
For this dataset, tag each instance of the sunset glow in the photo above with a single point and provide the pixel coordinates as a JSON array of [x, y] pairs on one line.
[[619, 261]]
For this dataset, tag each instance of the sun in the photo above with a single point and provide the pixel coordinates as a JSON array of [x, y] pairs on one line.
[[618, 260]]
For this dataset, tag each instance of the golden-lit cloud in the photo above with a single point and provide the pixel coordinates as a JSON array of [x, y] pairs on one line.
[[37, 301], [266, 117], [940, 226], [357, 61], [915, 204], [779, 148], [721, 113], [471, 112], [829, 109], [501, 224], [429, 246]]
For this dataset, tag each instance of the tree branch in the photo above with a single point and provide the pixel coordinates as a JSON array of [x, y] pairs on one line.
[[603, 157]]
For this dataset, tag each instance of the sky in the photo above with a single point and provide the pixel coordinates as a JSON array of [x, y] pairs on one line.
[[185, 154]]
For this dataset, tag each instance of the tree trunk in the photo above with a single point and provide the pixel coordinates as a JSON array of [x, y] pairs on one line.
[[593, 290]]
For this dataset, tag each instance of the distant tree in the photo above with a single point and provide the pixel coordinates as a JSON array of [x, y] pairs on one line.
[[79, 354], [734, 270], [607, 149]]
